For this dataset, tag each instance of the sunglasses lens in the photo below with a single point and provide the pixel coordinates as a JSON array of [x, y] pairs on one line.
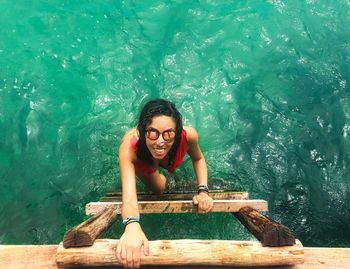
[[169, 135], [152, 134]]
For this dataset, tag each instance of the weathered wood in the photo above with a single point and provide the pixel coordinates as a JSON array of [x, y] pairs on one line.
[[216, 195], [186, 252], [28, 257], [267, 231], [87, 232], [185, 206], [44, 257], [176, 192]]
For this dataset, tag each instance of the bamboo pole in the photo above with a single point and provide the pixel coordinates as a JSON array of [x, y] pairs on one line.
[[185, 252]]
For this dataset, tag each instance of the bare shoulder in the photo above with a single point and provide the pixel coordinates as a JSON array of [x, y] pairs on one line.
[[192, 135], [130, 134], [125, 149]]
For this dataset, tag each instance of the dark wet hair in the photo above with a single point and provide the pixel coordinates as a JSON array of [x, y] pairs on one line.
[[157, 107]]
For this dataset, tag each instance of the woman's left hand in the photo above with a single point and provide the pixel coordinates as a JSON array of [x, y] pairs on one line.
[[204, 202]]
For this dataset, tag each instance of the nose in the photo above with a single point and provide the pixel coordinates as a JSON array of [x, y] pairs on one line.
[[160, 140]]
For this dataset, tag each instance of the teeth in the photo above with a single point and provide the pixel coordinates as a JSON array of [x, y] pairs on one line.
[[159, 151]]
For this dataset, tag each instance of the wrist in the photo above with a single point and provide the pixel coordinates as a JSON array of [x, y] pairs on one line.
[[203, 188], [130, 220], [132, 226]]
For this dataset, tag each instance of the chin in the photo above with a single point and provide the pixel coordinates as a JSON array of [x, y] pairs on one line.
[[159, 157]]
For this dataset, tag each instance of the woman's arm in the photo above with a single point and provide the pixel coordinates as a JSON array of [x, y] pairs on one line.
[[128, 249], [193, 150], [128, 177], [204, 201]]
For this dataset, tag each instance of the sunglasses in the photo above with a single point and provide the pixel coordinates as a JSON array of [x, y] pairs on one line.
[[153, 134]]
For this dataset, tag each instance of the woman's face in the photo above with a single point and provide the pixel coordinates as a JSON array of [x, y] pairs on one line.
[[160, 135]]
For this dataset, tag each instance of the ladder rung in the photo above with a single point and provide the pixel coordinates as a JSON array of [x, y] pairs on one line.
[[184, 206], [216, 195]]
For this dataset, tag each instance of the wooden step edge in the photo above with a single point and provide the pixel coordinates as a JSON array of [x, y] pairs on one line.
[[177, 192], [186, 252], [185, 206], [181, 196]]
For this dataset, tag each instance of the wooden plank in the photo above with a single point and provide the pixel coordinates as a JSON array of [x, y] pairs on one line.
[[87, 232], [28, 256], [176, 192], [186, 252], [218, 195], [267, 231], [331, 258], [185, 206], [44, 257]]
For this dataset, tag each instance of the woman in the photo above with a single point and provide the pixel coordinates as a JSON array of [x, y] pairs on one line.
[[159, 140]]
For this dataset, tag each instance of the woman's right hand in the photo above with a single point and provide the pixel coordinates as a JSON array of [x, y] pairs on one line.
[[130, 246]]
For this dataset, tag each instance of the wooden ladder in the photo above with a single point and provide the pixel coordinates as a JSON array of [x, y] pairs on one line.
[[277, 246]]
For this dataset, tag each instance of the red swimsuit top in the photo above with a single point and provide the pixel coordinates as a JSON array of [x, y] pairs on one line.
[[145, 169]]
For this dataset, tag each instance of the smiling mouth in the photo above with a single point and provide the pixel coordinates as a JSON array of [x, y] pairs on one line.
[[159, 151]]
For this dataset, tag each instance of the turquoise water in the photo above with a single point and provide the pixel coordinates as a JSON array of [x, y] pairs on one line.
[[265, 83]]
